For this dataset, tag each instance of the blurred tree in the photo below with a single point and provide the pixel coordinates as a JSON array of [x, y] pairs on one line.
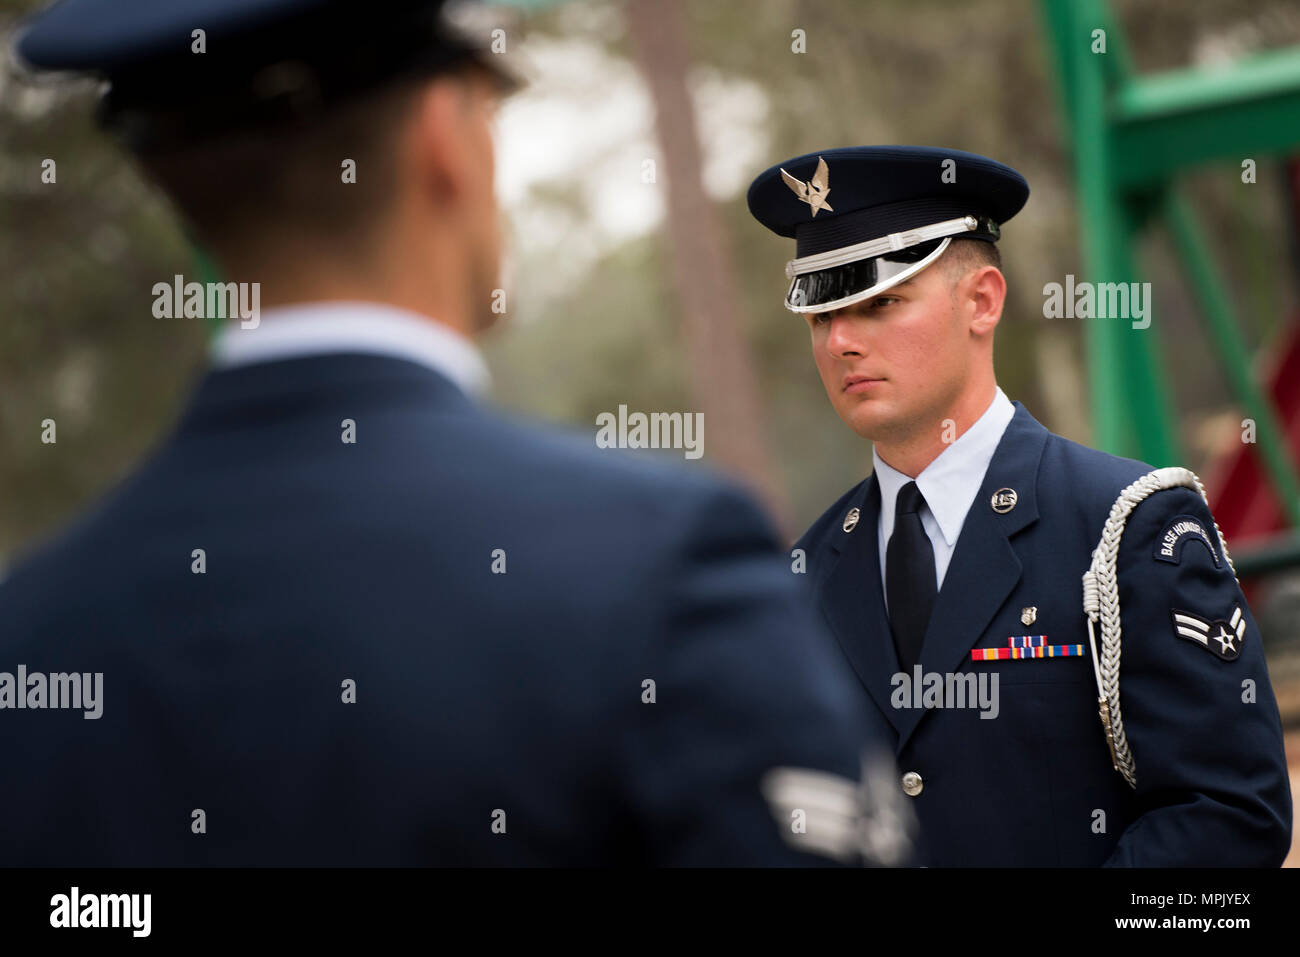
[[721, 369], [78, 342]]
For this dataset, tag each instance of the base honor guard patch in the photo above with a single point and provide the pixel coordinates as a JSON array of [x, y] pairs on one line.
[[1181, 530], [1222, 637]]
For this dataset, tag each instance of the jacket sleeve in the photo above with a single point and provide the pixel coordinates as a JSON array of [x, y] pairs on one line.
[[1198, 709], [746, 682]]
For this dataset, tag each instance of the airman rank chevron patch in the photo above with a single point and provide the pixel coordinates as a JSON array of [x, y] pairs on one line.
[[1221, 637]]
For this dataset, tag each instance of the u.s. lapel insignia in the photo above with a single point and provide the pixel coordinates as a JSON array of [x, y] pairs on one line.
[[1004, 500], [851, 519], [1029, 614], [1222, 638], [815, 191]]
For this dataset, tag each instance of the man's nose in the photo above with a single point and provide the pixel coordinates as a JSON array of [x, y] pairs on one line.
[[844, 338]]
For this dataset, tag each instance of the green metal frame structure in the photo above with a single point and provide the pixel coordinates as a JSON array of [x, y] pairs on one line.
[[1132, 137]]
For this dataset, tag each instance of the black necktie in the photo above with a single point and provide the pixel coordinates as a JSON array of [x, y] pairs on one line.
[[909, 576]]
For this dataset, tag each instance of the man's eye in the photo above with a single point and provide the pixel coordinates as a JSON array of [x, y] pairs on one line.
[[862, 308]]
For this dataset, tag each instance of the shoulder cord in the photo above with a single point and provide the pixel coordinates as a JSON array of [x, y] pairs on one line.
[[1101, 602]]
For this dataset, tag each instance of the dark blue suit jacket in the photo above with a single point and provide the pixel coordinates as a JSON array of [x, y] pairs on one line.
[[1034, 786], [512, 698]]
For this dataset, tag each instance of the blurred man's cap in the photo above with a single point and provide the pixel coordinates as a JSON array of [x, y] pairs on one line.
[[180, 68], [866, 218]]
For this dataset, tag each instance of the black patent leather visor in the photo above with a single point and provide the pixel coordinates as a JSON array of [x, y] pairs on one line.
[[852, 282]]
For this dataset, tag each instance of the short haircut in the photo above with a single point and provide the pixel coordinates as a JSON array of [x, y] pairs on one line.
[[235, 185], [963, 255]]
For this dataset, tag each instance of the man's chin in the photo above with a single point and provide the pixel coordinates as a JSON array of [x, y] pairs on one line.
[[869, 418]]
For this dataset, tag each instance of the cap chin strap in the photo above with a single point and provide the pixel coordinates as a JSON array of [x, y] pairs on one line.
[[875, 290], [887, 244]]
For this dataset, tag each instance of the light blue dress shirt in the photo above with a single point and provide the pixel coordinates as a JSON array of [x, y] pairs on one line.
[[322, 328], [949, 485]]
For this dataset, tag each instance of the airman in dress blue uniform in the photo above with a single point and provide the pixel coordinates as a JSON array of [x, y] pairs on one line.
[[346, 614], [952, 576]]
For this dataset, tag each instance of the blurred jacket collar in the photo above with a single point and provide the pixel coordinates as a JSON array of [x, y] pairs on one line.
[[324, 328]]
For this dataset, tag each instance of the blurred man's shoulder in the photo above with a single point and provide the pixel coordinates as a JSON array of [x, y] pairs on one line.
[[645, 488], [446, 480]]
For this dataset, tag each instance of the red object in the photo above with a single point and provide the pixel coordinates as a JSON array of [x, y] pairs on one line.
[[1242, 498]]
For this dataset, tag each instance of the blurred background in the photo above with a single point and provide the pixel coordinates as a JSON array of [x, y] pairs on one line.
[[636, 276]]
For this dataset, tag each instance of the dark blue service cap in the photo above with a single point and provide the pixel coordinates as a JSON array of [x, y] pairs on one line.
[[865, 218], [260, 61]]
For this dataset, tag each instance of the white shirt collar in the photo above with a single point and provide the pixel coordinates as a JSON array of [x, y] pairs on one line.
[[321, 328], [951, 482]]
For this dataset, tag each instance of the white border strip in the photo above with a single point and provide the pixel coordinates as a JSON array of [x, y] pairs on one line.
[[877, 247], [875, 290]]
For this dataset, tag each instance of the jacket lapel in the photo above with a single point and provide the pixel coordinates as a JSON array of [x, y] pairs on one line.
[[853, 601], [985, 567]]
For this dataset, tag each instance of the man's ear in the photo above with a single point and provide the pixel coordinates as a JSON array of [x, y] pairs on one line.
[[988, 292], [437, 145]]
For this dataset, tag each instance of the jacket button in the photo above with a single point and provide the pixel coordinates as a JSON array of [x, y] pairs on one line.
[[912, 784]]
